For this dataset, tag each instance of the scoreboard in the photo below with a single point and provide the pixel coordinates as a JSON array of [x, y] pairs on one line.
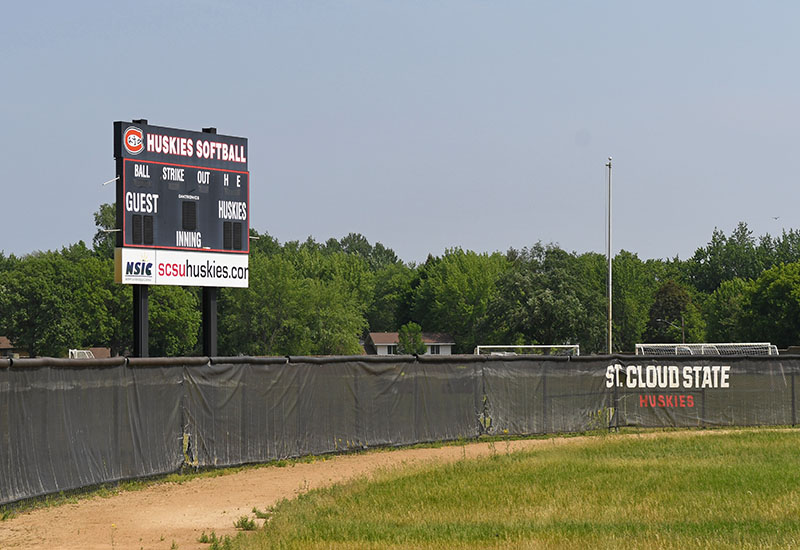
[[181, 190], [182, 196]]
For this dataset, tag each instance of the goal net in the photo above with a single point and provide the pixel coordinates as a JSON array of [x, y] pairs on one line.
[[81, 354], [529, 350], [755, 348]]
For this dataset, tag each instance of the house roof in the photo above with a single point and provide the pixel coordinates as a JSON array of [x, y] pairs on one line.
[[5, 343], [391, 338], [437, 338], [383, 338], [101, 353]]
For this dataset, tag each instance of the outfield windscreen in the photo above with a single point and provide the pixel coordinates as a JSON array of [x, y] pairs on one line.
[[159, 414]]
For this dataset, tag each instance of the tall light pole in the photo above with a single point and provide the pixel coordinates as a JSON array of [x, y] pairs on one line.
[[608, 165]]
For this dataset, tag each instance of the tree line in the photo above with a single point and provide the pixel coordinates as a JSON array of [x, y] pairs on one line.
[[313, 298]]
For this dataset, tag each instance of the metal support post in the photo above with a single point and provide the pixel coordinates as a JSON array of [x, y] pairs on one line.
[[141, 323], [210, 321], [210, 305]]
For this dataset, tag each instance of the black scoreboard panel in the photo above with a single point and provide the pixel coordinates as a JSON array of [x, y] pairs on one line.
[[184, 207], [181, 190]]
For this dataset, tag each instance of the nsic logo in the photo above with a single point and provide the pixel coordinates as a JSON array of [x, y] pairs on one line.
[[133, 138], [140, 269]]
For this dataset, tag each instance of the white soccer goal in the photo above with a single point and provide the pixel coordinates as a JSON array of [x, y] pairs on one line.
[[81, 354], [750, 348], [529, 350]]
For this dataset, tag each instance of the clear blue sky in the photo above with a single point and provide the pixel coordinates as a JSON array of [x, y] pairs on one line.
[[422, 125]]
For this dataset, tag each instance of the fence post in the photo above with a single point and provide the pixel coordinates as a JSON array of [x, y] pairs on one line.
[[187, 439], [614, 420], [484, 428], [703, 409], [544, 398], [244, 371], [360, 432], [794, 404]]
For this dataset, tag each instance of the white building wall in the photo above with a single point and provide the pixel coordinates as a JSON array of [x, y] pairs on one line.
[[383, 349], [444, 349]]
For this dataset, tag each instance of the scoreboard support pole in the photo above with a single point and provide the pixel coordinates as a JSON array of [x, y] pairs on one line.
[[210, 321], [210, 306], [141, 322]]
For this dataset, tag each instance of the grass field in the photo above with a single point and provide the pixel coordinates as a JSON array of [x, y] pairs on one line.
[[674, 490]]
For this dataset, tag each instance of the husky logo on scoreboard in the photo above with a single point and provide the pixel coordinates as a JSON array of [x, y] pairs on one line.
[[187, 194], [133, 140]]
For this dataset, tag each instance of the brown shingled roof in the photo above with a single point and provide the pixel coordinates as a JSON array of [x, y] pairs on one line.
[[5, 343], [391, 338], [437, 338], [383, 338]]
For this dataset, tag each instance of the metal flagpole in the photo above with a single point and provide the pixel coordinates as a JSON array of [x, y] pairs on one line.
[[609, 255]]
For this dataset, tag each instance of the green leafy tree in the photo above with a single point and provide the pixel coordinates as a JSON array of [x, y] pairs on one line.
[[53, 301], [104, 241], [377, 257], [673, 317], [589, 283], [356, 243], [786, 249], [382, 257], [725, 311], [268, 317], [772, 310], [539, 299], [337, 318], [634, 288], [454, 292], [7, 262], [392, 289], [410, 340], [301, 301], [120, 314], [338, 288], [726, 258], [352, 270], [33, 306], [408, 303], [263, 243], [694, 324], [175, 319]]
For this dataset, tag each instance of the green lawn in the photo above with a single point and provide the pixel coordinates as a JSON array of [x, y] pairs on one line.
[[676, 490]]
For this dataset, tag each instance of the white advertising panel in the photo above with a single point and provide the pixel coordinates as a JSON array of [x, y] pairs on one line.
[[180, 268]]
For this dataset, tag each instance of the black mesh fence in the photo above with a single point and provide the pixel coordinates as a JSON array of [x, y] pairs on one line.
[[69, 424], [66, 424], [256, 410], [707, 391], [536, 396]]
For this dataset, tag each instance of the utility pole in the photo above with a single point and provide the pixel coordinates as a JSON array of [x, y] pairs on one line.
[[608, 165]]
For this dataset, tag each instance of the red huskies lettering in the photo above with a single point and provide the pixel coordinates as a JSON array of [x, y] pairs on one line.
[[668, 401]]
